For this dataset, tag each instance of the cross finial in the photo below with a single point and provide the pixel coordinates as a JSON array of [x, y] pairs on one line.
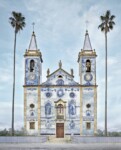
[[33, 26], [87, 23]]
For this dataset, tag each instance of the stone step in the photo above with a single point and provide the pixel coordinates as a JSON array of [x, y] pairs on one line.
[[53, 139]]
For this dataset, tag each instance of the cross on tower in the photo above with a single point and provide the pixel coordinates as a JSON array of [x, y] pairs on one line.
[[87, 23], [33, 26]]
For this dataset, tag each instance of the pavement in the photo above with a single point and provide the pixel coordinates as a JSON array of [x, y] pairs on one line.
[[60, 146]]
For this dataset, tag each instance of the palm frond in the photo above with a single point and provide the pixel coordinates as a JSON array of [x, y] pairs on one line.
[[112, 17], [17, 21], [107, 15], [102, 18]]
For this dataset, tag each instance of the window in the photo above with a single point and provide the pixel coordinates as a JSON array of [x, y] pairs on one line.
[[88, 125], [32, 125], [32, 63], [88, 65], [60, 109], [60, 76], [88, 105], [31, 105]]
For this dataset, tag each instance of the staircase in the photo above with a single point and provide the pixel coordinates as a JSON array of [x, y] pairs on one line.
[[53, 139]]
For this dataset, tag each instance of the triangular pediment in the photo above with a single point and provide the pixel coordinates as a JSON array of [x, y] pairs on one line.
[[59, 72], [60, 77]]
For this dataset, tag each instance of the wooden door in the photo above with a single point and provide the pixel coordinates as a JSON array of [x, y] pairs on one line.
[[60, 130]]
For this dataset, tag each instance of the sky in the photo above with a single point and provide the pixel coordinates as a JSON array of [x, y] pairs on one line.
[[60, 27]]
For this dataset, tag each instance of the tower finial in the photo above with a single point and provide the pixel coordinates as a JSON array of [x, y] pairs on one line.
[[60, 64], [87, 23], [33, 24]]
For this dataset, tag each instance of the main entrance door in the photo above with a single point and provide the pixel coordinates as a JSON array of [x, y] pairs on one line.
[[60, 130]]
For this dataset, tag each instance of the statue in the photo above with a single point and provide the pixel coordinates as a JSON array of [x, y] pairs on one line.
[[48, 109], [72, 109]]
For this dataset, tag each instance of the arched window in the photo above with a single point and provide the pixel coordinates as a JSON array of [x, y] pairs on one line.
[[48, 109], [32, 63], [60, 76], [88, 65], [60, 109]]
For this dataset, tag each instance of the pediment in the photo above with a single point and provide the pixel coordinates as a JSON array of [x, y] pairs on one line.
[[60, 77]]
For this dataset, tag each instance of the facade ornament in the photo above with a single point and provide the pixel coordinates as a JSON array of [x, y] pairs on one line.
[[48, 72], [60, 64]]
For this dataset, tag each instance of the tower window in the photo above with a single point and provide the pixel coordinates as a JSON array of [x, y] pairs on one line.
[[32, 64], [31, 105], [32, 125], [88, 125], [88, 65]]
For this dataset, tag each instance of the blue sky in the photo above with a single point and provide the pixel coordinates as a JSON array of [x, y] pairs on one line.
[[60, 30]]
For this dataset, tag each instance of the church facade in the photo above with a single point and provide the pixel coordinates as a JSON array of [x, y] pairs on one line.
[[60, 106]]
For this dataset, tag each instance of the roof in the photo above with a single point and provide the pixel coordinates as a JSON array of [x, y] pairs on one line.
[[60, 69], [33, 43], [87, 43]]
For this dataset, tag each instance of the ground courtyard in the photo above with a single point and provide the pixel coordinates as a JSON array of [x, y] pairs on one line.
[[61, 146]]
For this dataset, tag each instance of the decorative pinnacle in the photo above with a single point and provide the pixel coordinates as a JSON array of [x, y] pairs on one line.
[[60, 64], [48, 72], [72, 72]]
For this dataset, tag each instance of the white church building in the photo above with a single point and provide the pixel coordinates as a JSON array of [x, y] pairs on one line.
[[60, 106]]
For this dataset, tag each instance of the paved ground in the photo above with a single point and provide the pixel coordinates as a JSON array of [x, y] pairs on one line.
[[60, 146]]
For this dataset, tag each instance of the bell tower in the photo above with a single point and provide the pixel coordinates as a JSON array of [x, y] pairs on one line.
[[88, 88], [32, 80]]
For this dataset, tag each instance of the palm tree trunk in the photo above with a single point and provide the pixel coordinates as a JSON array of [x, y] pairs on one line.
[[105, 83], [14, 57]]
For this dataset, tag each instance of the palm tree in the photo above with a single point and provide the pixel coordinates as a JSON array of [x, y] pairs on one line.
[[17, 21], [106, 25]]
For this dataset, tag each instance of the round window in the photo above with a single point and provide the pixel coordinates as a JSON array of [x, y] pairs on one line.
[[48, 94], [88, 105], [31, 105], [72, 94]]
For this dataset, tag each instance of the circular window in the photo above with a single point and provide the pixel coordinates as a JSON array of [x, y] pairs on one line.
[[72, 94], [88, 105], [60, 93], [48, 94], [31, 105]]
